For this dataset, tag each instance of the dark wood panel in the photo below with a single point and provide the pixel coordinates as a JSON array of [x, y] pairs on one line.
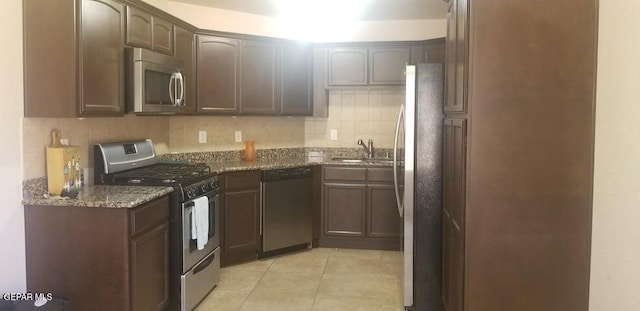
[[217, 75], [101, 58], [316, 230], [345, 173], [185, 50], [296, 80], [344, 213], [242, 226], [347, 66], [259, 78], [387, 65], [383, 218], [49, 34], [150, 268], [149, 215], [384, 174], [70, 254], [139, 28], [162, 36], [243, 180]]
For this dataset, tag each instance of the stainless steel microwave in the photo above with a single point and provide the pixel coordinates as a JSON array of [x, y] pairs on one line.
[[153, 82]]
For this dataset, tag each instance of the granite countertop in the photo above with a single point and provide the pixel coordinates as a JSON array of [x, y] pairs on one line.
[[104, 196], [239, 165]]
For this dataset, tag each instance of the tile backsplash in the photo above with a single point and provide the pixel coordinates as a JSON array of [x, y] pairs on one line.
[[267, 132], [356, 114], [36, 136]]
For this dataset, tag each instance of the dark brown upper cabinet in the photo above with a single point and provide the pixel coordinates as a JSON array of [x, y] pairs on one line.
[[86, 78], [217, 75], [185, 50], [347, 66], [295, 66], [387, 65], [259, 78], [147, 31]]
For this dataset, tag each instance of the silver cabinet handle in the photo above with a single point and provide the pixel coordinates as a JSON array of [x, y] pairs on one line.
[[395, 161], [180, 99], [172, 86]]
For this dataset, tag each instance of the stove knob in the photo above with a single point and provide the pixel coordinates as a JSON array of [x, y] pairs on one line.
[[203, 187], [190, 194]]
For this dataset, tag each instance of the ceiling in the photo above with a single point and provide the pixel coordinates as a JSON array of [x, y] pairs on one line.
[[373, 9]]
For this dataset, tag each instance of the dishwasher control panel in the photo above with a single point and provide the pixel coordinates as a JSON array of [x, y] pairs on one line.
[[286, 173]]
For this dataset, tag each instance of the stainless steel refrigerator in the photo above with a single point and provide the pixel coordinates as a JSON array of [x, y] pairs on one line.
[[417, 156]]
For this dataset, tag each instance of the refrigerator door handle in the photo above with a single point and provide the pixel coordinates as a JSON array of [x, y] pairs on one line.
[[395, 162]]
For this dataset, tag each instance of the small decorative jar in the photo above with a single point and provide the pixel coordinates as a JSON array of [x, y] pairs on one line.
[[249, 151]]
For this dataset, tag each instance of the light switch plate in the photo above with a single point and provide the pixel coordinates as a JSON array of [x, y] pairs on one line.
[[238, 136], [334, 134], [202, 137]]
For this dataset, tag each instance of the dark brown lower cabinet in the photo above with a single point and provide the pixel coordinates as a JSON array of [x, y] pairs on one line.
[[241, 217], [106, 258], [359, 209]]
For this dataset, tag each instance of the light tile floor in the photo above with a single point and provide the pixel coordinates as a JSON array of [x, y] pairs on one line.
[[318, 279]]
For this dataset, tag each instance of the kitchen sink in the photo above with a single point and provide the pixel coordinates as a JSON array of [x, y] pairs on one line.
[[364, 160]]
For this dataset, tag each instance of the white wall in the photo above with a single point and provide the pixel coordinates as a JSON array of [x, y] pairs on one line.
[[12, 260], [615, 259], [160, 4], [324, 29]]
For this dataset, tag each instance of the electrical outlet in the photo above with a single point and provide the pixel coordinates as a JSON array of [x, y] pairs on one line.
[[202, 137], [334, 134], [64, 141], [238, 136]]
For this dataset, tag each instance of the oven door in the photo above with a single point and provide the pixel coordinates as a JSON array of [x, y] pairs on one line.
[[190, 253]]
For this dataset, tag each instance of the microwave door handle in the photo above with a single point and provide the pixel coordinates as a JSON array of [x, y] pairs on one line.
[[180, 100], [172, 88]]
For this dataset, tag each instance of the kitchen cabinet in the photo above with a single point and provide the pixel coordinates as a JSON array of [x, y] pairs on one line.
[[518, 188], [456, 57], [185, 50], [86, 78], [359, 208], [454, 151], [115, 258], [295, 73], [240, 212], [217, 75], [347, 66], [259, 78], [147, 31], [388, 65]]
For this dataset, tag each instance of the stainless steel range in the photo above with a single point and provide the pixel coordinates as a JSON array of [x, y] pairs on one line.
[[193, 272]]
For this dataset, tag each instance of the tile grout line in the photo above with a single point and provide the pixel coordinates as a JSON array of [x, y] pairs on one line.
[[255, 286], [326, 263]]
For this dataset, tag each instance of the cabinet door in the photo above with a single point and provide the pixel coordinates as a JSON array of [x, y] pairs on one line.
[[185, 50], [101, 58], [150, 269], [162, 36], [461, 57], [217, 74], [453, 212], [347, 66], [259, 86], [344, 209], [387, 65], [241, 225], [450, 60], [383, 219], [139, 28], [295, 60]]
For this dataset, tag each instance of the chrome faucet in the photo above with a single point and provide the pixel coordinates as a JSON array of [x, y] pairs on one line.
[[367, 148]]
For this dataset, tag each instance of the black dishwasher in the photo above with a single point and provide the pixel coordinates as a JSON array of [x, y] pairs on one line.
[[286, 210]]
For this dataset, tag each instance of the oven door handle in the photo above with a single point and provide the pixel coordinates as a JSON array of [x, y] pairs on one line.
[[204, 264], [189, 212]]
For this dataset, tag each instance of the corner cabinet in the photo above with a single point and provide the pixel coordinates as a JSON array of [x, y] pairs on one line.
[[259, 78], [115, 258], [359, 208], [86, 78], [296, 80]]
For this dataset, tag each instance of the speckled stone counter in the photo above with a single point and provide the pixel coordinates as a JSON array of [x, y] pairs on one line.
[[104, 196], [233, 166]]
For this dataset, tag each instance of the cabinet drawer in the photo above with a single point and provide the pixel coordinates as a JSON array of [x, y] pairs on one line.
[[149, 215], [380, 174], [247, 180], [345, 173]]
